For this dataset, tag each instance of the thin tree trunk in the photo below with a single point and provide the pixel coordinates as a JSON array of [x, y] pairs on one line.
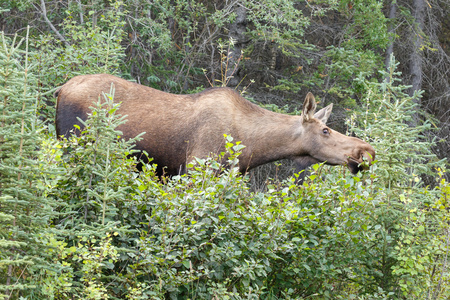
[[391, 30], [415, 65], [416, 55], [237, 34]]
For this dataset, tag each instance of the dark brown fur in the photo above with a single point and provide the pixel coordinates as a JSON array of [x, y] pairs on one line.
[[181, 127]]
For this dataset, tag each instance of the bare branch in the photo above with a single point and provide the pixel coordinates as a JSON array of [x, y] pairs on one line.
[[80, 7], [44, 14]]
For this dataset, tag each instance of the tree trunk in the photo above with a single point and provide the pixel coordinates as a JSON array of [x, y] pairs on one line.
[[391, 30], [237, 35], [416, 55]]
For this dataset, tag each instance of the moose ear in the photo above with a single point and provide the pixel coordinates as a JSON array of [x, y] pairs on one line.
[[324, 113], [309, 107]]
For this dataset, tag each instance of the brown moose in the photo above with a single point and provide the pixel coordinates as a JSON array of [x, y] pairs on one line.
[[181, 127]]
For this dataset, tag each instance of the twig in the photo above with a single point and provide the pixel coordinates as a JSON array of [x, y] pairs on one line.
[[44, 14]]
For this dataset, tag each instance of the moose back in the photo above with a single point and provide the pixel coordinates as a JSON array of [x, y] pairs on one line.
[[180, 127]]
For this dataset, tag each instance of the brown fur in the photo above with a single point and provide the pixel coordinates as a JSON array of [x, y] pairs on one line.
[[181, 127]]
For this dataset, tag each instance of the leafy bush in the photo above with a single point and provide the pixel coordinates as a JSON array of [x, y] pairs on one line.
[[79, 222], [97, 174], [206, 235]]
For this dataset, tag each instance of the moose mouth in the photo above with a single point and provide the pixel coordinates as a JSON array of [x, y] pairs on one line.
[[358, 165], [354, 166]]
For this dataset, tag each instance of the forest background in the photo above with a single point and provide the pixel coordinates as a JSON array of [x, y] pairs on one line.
[[78, 223]]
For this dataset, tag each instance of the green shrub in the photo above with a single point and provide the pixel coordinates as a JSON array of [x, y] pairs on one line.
[[25, 211], [117, 234], [93, 187]]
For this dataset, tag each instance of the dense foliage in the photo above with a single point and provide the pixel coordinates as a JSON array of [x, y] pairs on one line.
[[78, 222]]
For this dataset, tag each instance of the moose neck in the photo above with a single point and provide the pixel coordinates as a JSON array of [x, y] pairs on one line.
[[271, 136]]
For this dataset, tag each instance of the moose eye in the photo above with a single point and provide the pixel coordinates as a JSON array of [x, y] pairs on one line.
[[326, 131]]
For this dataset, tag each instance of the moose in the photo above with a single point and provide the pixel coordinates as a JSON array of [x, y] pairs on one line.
[[179, 128]]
